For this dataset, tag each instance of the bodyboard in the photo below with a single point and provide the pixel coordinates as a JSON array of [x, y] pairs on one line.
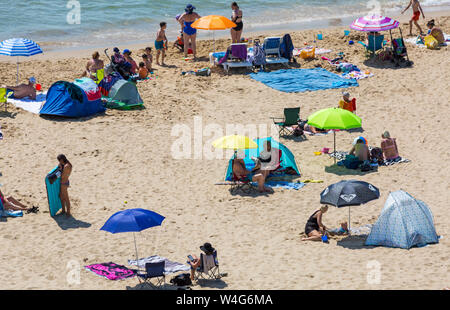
[[54, 202]]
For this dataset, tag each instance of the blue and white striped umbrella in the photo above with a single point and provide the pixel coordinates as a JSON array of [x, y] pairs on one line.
[[19, 47]]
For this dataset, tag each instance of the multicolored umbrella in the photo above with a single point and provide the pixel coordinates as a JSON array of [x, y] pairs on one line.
[[19, 47], [374, 23]]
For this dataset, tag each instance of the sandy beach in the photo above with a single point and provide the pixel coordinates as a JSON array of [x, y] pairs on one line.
[[126, 156]]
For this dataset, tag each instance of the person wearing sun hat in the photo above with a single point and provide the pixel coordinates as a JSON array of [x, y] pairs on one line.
[[189, 33], [195, 262]]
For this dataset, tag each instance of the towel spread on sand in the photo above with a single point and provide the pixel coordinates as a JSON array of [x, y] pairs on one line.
[[340, 155], [111, 271], [301, 80], [170, 267], [33, 106], [318, 51], [357, 75], [282, 184], [418, 43]]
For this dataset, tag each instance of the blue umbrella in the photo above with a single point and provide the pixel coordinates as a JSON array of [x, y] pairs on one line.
[[19, 47], [132, 220]]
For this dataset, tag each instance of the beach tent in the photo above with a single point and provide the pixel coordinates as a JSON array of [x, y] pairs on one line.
[[79, 99], [123, 95], [404, 222], [287, 159]]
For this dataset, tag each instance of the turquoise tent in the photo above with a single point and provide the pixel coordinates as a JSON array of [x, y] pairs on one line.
[[404, 222], [287, 159]]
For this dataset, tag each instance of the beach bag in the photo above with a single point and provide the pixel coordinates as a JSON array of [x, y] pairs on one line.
[[376, 154], [431, 42], [181, 280]]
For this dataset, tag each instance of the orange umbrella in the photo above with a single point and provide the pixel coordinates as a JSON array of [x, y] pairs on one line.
[[213, 22]]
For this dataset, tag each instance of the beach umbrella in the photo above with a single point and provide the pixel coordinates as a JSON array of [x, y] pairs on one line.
[[334, 118], [349, 193], [235, 142], [213, 22], [19, 47], [374, 23], [132, 220]]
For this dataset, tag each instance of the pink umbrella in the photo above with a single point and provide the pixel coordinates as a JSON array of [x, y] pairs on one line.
[[374, 23]]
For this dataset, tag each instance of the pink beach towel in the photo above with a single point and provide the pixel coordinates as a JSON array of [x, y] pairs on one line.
[[112, 271]]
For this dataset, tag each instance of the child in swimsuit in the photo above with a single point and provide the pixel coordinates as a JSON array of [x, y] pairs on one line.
[[161, 39], [417, 9]]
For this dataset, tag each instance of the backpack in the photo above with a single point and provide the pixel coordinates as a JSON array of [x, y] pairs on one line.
[[181, 280]]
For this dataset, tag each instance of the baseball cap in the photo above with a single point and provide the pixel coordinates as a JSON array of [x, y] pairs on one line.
[[32, 79], [125, 51]]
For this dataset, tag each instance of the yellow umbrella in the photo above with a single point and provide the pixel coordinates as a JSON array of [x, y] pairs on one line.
[[235, 142], [213, 22]]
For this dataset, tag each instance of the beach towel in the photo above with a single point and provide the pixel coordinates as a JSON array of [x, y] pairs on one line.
[[112, 271], [390, 162], [33, 106], [419, 42], [239, 51], [318, 51], [282, 184], [170, 267], [357, 75], [301, 80]]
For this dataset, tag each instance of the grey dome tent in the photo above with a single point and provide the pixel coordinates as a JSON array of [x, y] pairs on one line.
[[124, 95], [404, 222]]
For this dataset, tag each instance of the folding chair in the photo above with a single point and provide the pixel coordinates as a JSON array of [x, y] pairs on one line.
[[4, 98], [153, 270], [291, 118], [272, 46], [376, 43], [209, 267]]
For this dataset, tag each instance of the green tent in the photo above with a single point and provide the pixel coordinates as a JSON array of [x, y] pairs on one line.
[[124, 95]]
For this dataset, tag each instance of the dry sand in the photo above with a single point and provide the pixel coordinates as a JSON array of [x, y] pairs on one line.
[[125, 156]]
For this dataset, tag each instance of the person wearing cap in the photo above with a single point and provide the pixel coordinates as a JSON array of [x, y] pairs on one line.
[[23, 90], [130, 60], [208, 249], [346, 103], [189, 33], [117, 58], [389, 147], [256, 175]]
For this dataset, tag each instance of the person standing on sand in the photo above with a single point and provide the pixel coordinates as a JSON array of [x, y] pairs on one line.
[[161, 43], [417, 9], [189, 33], [236, 32], [66, 168]]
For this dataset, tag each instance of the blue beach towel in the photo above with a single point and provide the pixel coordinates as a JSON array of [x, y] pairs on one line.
[[283, 184], [301, 80]]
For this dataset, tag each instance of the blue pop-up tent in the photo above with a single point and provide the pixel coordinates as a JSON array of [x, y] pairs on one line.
[[287, 159], [79, 99], [404, 222]]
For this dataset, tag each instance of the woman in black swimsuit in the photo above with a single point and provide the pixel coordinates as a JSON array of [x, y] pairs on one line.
[[314, 228], [236, 32]]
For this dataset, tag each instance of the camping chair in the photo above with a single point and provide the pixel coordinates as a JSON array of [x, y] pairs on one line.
[[376, 43], [4, 98], [272, 47], [399, 51], [209, 267], [242, 183], [291, 117], [153, 270], [235, 62]]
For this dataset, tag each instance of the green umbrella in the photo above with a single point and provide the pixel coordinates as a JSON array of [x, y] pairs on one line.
[[334, 118]]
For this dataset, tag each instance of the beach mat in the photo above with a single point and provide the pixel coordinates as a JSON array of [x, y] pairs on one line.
[[112, 271], [170, 266], [52, 183], [302, 80], [33, 106]]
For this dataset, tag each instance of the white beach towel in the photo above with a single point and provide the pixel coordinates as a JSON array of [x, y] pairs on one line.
[[208, 262], [170, 267], [33, 106]]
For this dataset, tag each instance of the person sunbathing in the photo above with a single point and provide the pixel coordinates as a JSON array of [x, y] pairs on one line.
[[389, 147], [24, 90], [13, 204], [93, 66], [342, 230], [436, 32], [360, 150], [195, 262], [314, 227], [303, 125], [256, 175]]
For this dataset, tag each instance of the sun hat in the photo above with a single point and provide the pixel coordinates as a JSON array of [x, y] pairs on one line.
[[189, 8], [207, 248], [359, 138]]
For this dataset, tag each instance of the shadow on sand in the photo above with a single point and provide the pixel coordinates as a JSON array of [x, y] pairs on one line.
[[341, 170], [354, 242], [66, 223]]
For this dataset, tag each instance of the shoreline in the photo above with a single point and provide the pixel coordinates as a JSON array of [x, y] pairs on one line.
[[316, 26]]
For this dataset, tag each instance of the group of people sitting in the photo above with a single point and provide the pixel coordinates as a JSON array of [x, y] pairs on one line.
[[315, 230]]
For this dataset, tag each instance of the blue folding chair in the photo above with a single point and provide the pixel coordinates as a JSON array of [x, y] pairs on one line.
[[152, 271]]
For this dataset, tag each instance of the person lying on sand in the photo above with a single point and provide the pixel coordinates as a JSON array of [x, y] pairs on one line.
[[13, 204], [314, 227], [24, 90], [303, 125], [342, 230], [360, 150], [256, 175]]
